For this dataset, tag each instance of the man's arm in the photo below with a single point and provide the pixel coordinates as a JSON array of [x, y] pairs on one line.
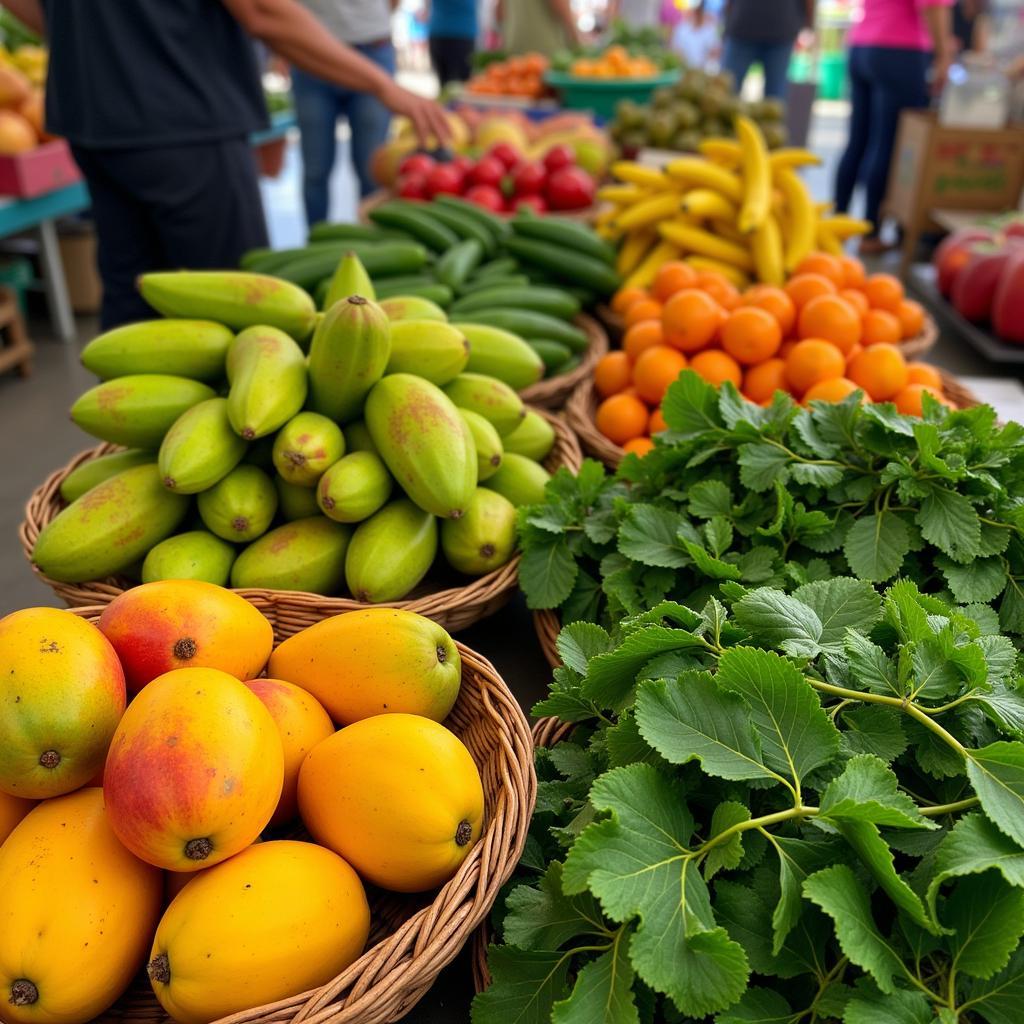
[[30, 13], [292, 31], [939, 19]]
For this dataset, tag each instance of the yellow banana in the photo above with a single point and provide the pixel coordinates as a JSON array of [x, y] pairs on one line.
[[843, 226], [706, 202], [727, 229], [622, 195], [648, 211], [792, 157], [702, 242], [605, 216], [696, 171], [638, 174], [608, 232], [726, 152], [828, 241], [633, 249], [757, 179], [802, 228], [766, 246], [644, 273], [727, 270]]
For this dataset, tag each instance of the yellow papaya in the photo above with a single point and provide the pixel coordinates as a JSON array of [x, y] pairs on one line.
[[12, 810]]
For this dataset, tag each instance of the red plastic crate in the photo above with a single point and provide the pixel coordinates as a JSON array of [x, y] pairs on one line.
[[43, 169]]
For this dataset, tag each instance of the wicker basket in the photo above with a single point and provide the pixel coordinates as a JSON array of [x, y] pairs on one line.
[[553, 392], [412, 937], [548, 624], [546, 733], [454, 608]]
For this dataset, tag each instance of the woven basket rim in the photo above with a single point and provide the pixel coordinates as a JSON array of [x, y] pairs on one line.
[[552, 392], [547, 624], [393, 973], [457, 607]]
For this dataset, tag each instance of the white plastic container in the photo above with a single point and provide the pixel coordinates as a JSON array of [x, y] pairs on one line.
[[977, 95]]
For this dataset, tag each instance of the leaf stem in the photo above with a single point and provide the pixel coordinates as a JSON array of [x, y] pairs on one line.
[[799, 811], [958, 805]]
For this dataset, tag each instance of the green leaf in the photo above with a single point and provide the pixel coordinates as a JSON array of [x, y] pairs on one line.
[[998, 1000], [603, 993], [547, 572], [816, 475], [758, 1006], [776, 619], [798, 858], [578, 642], [638, 864], [1003, 706], [1000, 657], [690, 406], [950, 522], [838, 892], [718, 533], [934, 674], [871, 729], [981, 579], [796, 734], [692, 718], [876, 546], [761, 464], [524, 986], [542, 917], [997, 774], [987, 918], [870, 666], [709, 565], [840, 604], [727, 854], [710, 498], [650, 535], [868, 790], [870, 1006]]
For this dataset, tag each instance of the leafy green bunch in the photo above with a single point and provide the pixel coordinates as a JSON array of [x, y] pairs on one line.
[[794, 808], [784, 496]]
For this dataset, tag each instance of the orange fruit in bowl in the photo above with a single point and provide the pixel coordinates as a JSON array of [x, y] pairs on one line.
[[656, 424], [690, 320], [751, 335], [772, 300], [813, 360], [621, 418], [831, 318], [639, 445], [612, 374], [719, 287], [854, 275], [641, 337], [880, 370], [656, 368], [672, 277], [910, 400], [835, 389], [716, 367], [804, 287], [923, 373], [881, 327], [642, 309], [856, 298], [884, 291], [762, 381], [911, 317], [625, 297], [825, 264]]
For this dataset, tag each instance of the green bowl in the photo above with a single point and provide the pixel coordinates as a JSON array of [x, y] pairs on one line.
[[601, 94]]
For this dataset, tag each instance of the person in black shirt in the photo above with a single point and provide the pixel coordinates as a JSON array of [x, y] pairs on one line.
[[763, 31], [157, 99]]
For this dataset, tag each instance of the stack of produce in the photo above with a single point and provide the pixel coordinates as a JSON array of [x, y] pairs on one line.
[[163, 866], [22, 79], [348, 468], [735, 207], [831, 331], [794, 792], [698, 107], [981, 272], [614, 62], [521, 76], [626, 42]]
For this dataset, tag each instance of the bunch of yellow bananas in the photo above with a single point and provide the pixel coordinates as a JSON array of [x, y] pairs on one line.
[[735, 208]]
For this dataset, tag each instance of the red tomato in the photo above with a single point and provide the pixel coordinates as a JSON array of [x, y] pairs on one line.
[[506, 153], [417, 163], [528, 179], [535, 203], [569, 188], [463, 163], [486, 196], [444, 178], [413, 185], [488, 171], [558, 157]]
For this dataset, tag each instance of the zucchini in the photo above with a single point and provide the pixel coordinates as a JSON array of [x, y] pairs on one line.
[[499, 226], [440, 294], [554, 354], [416, 223], [570, 234], [381, 258], [454, 266], [561, 262], [501, 267], [421, 280], [528, 324], [552, 301], [324, 232], [512, 281], [465, 226], [254, 256]]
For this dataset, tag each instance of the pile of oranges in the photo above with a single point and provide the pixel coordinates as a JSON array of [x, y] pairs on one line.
[[516, 76], [615, 62], [830, 331]]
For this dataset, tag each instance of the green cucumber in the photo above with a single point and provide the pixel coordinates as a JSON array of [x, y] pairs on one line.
[[554, 354], [415, 222], [380, 260], [501, 267], [498, 225], [324, 232], [570, 234], [465, 227], [512, 281], [552, 301], [563, 263], [254, 256], [440, 294], [528, 324], [454, 266]]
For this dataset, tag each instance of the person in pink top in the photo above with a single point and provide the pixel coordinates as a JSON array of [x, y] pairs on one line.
[[891, 50]]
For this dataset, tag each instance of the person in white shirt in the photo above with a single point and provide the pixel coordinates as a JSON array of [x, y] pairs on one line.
[[696, 38]]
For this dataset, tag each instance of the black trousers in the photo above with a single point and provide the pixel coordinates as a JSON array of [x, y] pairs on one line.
[[450, 57], [169, 208]]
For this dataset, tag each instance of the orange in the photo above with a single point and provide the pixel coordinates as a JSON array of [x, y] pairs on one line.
[[833, 390], [853, 272], [639, 445], [786, 348], [641, 337], [825, 264], [909, 400], [621, 418], [625, 297], [672, 277], [655, 370], [884, 292], [762, 381], [922, 373], [813, 360], [856, 298], [751, 335], [831, 318], [719, 287], [643, 309], [804, 287], [772, 300], [880, 370], [612, 374], [716, 367], [690, 320], [881, 326], [853, 353], [911, 317], [656, 424]]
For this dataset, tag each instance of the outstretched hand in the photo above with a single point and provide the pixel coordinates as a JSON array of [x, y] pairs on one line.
[[426, 116]]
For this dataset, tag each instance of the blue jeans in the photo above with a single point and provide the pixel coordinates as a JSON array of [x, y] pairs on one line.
[[884, 80], [739, 54], [318, 105]]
